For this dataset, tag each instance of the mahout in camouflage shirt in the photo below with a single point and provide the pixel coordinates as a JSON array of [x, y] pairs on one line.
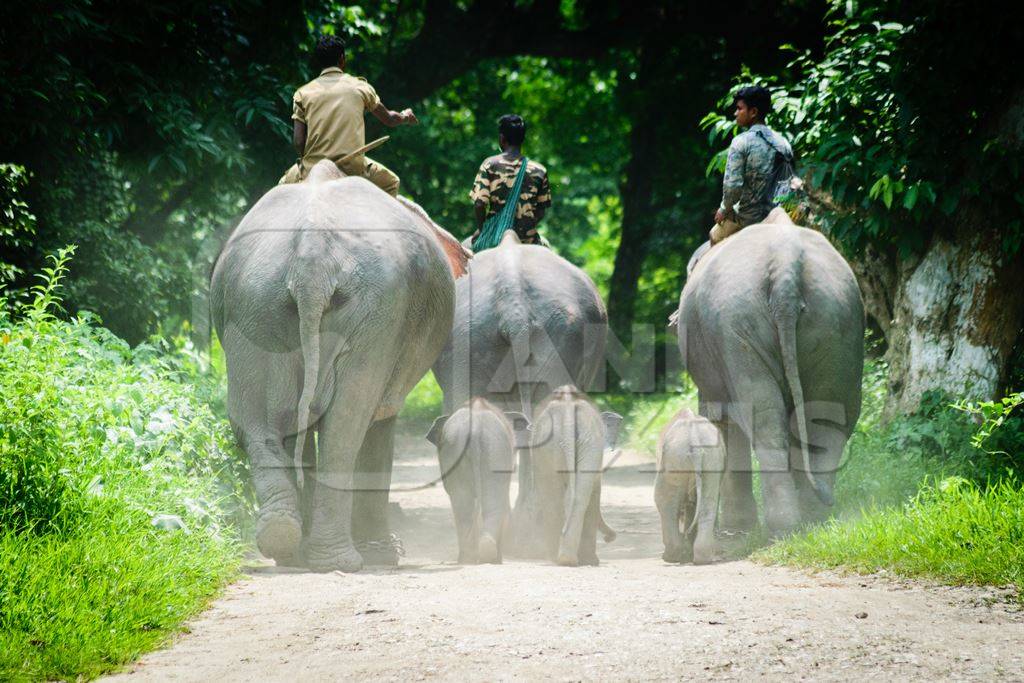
[[494, 182], [748, 174]]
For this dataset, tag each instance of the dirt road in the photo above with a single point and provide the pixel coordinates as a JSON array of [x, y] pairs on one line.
[[634, 617]]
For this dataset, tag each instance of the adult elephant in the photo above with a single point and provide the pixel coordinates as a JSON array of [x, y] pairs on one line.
[[331, 300], [526, 322], [771, 329]]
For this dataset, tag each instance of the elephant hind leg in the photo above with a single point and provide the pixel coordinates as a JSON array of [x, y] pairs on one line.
[[579, 519], [488, 551], [372, 489], [778, 487], [343, 429], [705, 547], [739, 510], [588, 540], [278, 522]]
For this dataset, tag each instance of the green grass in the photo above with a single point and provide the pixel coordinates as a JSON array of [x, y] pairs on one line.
[[891, 514], [118, 486], [956, 532], [80, 605]]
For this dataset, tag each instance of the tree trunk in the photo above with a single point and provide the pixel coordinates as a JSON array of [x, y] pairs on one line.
[[637, 194], [637, 219], [951, 316]]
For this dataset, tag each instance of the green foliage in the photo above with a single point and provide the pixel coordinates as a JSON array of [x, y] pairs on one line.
[[954, 531], [145, 126], [573, 129], [994, 415], [922, 496], [644, 416], [888, 157], [425, 401], [885, 462], [887, 459], [17, 224], [116, 488]]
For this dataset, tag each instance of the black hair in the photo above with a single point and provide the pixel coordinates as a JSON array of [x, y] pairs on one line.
[[513, 127], [329, 51], [755, 96]]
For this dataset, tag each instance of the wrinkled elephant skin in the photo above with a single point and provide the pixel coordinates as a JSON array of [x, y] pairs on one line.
[[771, 329], [331, 300], [691, 458], [526, 321], [476, 454]]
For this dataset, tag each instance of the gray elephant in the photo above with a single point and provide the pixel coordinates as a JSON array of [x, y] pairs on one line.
[[771, 329], [331, 300], [526, 321], [567, 445], [691, 459], [476, 452]]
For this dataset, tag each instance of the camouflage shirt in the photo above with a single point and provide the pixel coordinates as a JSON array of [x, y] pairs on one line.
[[494, 182], [748, 173]]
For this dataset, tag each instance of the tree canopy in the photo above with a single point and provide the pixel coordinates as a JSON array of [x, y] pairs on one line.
[[137, 130]]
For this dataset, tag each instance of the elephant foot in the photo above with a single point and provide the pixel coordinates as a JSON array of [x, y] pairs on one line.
[[673, 555], [567, 558], [382, 553], [344, 559], [278, 536], [487, 550], [706, 554], [589, 560]]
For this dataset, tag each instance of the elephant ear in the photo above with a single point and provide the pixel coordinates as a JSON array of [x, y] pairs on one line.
[[612, 422], [434, 435], [520, 428], [458, 256]]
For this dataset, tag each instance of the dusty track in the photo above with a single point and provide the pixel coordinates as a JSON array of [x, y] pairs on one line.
[[633, 617]]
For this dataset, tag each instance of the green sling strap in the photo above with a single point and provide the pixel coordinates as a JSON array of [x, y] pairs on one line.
[[495, 226]]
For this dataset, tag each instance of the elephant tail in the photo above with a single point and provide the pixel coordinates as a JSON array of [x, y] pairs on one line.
[[785, 321], [607, 531], [311, 307]]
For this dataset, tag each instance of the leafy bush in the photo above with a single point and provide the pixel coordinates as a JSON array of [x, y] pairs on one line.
[[116, 483], [886, 461]]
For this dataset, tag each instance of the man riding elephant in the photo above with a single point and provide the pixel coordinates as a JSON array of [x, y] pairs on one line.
[[328, 119], [759, 160], [497, 180]]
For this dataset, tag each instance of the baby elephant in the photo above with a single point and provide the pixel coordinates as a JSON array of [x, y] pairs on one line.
[[475, 448], [691, 458], [567, 448]]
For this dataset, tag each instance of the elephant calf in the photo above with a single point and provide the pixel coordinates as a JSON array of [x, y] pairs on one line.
[[567, 449], [476, 449], [691, 458]]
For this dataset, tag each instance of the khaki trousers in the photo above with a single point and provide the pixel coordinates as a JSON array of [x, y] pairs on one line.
[[722, 230], [377, 173]]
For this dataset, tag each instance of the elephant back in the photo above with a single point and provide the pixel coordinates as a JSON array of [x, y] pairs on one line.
[[526, 321]]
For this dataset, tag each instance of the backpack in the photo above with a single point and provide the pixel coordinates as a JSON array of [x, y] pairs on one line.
[[783, 182]]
